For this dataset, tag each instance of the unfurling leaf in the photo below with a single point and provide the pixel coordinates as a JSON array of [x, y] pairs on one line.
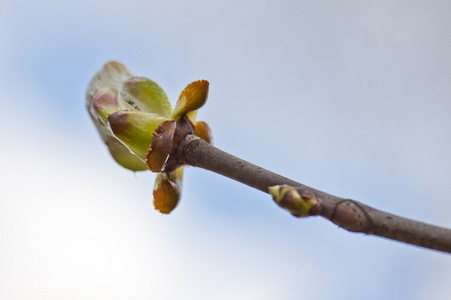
[[111, 76], [123, 156], [101, 101], [145, 95], [134, 129]]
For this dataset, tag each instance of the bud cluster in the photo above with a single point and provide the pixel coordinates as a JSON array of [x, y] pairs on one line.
[[141, 130]]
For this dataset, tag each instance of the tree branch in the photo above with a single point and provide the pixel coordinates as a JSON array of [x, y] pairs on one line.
[[346, 213]]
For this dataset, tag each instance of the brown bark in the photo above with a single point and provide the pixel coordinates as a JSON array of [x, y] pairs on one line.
[[346, 213]]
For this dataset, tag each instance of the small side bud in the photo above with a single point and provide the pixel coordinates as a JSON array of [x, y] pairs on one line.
[[299, 202]]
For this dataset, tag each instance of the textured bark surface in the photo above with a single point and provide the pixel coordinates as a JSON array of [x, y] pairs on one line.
[[346, 213]]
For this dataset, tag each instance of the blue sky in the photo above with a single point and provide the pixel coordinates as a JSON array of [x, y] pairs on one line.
[[352, 98]]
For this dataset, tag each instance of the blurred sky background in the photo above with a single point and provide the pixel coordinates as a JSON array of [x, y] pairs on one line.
[[350, 97]]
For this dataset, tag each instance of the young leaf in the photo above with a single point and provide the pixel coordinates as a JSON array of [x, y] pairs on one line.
[[134, 129], [145, 95]]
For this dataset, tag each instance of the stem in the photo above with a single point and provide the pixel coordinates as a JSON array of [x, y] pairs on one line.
[[346, 213]]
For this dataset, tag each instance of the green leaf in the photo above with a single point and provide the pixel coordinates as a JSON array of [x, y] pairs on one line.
[[134, 129], [123, 156], [145, 95]]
